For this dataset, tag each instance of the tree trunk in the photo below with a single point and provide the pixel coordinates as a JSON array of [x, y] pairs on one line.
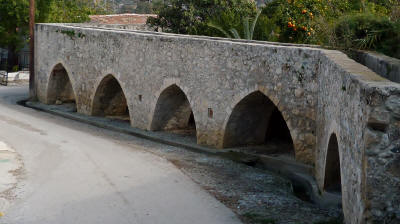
[[12, 58]]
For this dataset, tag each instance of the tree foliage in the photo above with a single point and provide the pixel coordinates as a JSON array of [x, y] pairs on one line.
[[71, 11], [365, 31], [13, 22], [301, 15], [343, 24], [247, 29], [192, 16], [14, 19]]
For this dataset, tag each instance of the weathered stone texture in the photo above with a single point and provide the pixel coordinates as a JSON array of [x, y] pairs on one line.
[[353, 107], [318, 93], [383, 159], [212, 74], [383, 65], [61, 83]]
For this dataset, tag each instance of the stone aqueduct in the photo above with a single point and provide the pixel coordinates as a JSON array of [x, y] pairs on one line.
[[341, 117]]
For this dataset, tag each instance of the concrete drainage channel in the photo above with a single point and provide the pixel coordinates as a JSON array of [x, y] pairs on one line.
[[300, 175]]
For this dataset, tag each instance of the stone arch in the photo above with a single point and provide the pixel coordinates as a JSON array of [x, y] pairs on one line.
[[332, 177], [256, 120], [109, 100], [173, 112], [60, 89]]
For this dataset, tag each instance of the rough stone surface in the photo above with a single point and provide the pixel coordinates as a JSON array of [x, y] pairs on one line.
[[318, 93], [203, 73], [393, 104], [381, 64]]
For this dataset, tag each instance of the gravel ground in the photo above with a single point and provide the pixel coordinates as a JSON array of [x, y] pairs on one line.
[[257, 196]]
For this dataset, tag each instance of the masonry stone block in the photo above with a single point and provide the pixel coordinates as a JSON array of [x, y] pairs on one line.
[[230, 89]]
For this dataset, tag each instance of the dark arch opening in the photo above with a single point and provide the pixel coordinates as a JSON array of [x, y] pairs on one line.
[[332, 182], [60, 88], [173, 113], [257, 123], [109, 100]]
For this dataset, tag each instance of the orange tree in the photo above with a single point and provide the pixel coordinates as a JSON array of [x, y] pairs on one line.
[[310, 21], [295, 20]]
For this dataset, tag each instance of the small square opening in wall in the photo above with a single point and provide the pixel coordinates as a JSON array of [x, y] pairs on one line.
[[210, 113], [140, 97]]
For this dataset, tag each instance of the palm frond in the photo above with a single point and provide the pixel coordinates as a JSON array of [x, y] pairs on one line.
[[215, 26], [235, 33], [246, 31], [369, 41], [253, 25]]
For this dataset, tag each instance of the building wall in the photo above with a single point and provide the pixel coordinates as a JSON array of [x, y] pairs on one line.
[[318, 92]]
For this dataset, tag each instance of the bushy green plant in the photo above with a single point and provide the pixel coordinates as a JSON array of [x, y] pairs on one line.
[[367, 32], [71, 11], [247, 29], [295, 19], [193, 16], [14, 18], [343, 24]]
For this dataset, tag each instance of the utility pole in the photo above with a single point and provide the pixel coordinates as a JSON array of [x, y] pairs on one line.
[[32, 92]]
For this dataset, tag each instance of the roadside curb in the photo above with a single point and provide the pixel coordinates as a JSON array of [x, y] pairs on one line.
[[299, 174]]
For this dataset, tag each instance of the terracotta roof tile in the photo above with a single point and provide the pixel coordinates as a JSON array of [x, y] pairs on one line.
[[121, 18]]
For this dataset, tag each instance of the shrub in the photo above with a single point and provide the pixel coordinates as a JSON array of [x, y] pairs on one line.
[[343, 24], [367, 32], [15, 68], [246, 30], [294, 19], [192, 16]]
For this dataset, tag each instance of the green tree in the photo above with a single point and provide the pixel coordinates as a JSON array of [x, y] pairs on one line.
[[13, 27], [14, 20], [192, 16]]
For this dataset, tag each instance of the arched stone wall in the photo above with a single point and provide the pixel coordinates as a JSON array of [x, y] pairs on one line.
[[249, 120], [109, 99], [250, 123], [172, 111], [311, 87], [332, 177], [59, 86], [269, 102]]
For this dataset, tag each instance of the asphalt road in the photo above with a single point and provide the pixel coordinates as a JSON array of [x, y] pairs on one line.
[[63, 173]]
